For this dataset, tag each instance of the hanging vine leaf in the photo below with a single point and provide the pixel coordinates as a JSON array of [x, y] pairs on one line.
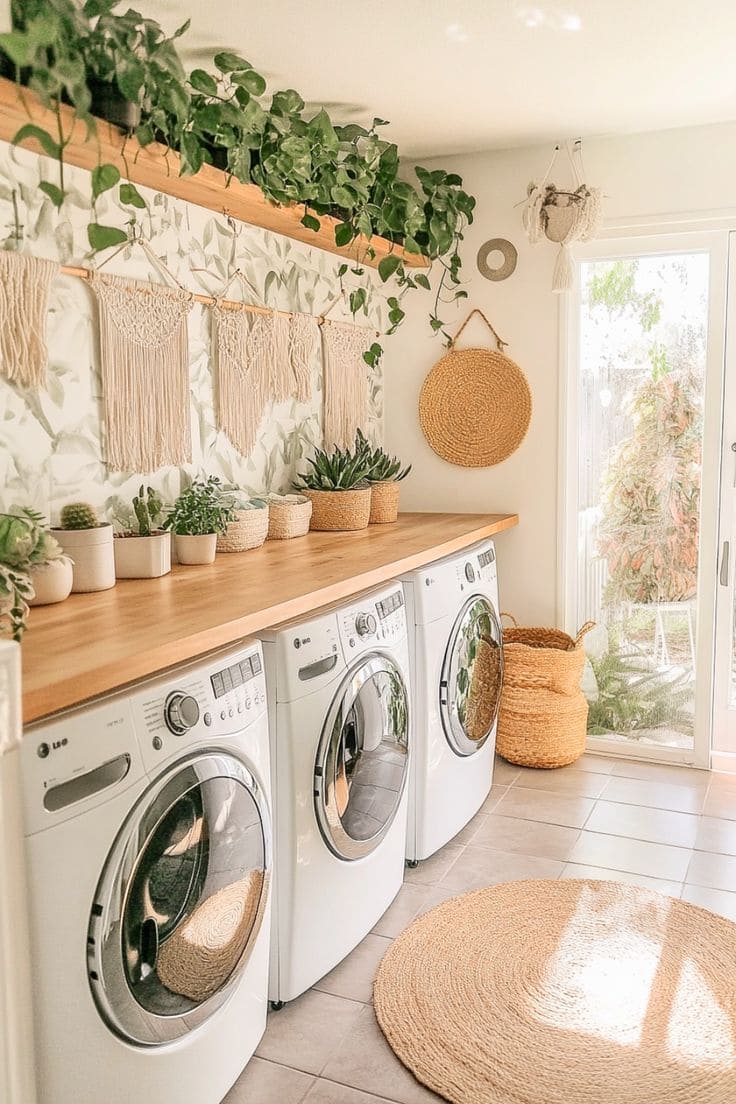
[[130, 195], [104, 177], [54, 192], [103, 237]]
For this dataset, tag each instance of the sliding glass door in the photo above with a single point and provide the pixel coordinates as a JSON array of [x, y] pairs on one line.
[[643, 426]]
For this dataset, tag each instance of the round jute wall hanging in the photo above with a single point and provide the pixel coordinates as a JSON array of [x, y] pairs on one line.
[[475, 405], [567, 992], [509, 257]]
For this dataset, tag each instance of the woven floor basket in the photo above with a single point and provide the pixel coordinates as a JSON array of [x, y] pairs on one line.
[[384, 502], [543, 716], [288, 517], [340, 510], [247, 531]]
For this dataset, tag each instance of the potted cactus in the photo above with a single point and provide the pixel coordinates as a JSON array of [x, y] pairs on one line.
[[144, 552], [199, 514], [88, 541], [385, 476], [338, 488]]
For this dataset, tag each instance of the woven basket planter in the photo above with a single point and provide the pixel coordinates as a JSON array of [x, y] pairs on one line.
[[543, 717], [288, 516], [384, 502], [340, 510], [247, 531]]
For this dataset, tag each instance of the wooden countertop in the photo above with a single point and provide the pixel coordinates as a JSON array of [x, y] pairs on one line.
[[94, 643]]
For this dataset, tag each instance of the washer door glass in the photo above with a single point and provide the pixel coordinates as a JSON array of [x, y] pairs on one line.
[[361, 766], [472, 673], [180, 901]]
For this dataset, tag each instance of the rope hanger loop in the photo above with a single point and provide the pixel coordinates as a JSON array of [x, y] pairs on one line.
[[476, 310]]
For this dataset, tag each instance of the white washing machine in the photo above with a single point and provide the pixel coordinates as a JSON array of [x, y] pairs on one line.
[[457, 670], [148, 843], [339, 702]]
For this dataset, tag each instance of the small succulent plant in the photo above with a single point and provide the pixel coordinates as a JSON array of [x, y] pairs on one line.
[[148, 507], [339, 470], [25, 543], [79, 515], [383, 468], [200, 509]]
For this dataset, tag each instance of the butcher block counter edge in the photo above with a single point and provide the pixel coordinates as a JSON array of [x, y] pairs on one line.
[[95, 643]]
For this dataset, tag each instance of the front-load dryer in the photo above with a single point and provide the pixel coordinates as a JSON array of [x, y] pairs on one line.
[[339, 698], [457, 670], [148, 844]]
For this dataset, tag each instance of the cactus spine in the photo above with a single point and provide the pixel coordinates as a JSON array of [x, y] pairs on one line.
[[79, 515]]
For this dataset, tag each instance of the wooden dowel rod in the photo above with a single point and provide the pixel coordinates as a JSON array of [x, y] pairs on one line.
[[209, 300]]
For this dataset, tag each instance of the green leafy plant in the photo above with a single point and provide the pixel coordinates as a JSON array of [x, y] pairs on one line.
[[338, 470], [16, 590], [632, 697], [383, 468], [79, 515], [148, 508], [25, 542], [351, 173], [200, 509]]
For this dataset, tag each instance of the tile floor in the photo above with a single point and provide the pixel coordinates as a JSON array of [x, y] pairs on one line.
[[667, 827]]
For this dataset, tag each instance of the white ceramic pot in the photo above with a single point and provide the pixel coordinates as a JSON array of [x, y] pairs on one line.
[[92, 553], [142, 557], [200, 549], [52, 582]]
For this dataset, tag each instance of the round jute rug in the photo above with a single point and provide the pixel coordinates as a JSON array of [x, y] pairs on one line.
[[569, 992]]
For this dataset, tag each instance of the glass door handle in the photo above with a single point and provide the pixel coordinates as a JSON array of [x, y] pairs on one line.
[[725, 553]]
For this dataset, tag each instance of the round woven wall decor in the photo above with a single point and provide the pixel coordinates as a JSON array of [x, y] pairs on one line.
[[564, 992], [509, 254], [475, 405]]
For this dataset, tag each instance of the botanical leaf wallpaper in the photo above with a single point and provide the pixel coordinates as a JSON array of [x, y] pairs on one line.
[[52, 443]]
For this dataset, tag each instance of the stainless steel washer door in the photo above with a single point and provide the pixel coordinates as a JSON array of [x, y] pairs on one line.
[[362, 759], [472, 675], [180, 900]]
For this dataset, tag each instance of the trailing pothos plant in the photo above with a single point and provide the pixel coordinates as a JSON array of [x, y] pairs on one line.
[[63, 49]]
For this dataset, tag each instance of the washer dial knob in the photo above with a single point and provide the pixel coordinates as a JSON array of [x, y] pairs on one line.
[[181, 712], [469, 572], [365, 624]]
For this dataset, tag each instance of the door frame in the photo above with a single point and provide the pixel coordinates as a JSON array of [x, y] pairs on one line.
[[652, 241]]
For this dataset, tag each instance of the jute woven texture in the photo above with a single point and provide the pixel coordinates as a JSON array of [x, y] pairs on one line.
[[569, 992], [340, 510], [288, 519], [475, 407], [249, 530], [543, 716], [384, 502], [198, 958]]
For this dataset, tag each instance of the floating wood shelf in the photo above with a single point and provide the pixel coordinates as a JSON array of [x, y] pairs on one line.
[[157, 167], [94, 643]]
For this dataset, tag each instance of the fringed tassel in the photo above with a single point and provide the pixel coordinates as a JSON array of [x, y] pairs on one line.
[[564, 273], [345, 382], [240, 395], [25, 283], [280, 379], [144, 358], [303, 335]]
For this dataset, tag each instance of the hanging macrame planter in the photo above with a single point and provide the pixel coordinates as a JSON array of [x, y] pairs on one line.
[[563, 216]]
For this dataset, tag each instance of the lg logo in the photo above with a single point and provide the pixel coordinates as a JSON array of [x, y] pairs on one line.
[[44, 750]]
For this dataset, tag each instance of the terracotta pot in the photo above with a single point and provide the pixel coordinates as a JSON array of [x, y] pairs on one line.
[[196, 549], [142, 557], [92, 555], [384, 502], [52, 582], [340, 510]]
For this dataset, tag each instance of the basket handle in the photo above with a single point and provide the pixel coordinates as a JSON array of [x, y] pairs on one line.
[[476, 310], [511, 618], [583, 630]]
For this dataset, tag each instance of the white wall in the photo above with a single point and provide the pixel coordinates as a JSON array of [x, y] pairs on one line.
[[644, 177]]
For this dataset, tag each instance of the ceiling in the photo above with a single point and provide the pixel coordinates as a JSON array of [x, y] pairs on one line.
[[463, 75]]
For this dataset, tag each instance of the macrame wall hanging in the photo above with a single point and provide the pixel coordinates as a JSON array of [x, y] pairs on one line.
[[145, 370], [345, 377], [25, 283], [563, 216], [261, 356]]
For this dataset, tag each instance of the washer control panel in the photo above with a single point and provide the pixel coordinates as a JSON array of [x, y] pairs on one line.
[[479, 565], [378, 618]]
